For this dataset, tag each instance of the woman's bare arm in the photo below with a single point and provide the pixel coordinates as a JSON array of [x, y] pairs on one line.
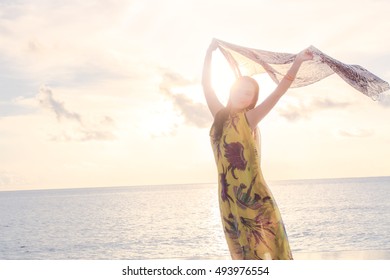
[[211, 98], [255, 115]]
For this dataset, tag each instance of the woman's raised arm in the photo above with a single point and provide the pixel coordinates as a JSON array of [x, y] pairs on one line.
[[255, 115], [211, 98]]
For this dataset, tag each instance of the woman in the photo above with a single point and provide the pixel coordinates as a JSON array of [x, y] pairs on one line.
[[250, 217]]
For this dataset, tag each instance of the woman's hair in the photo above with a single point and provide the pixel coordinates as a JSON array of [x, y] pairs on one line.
[[223, 114]]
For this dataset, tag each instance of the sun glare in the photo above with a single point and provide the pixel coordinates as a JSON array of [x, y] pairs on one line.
[[222, 76], [266, 85]]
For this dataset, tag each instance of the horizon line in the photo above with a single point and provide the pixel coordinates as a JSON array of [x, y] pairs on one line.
[[184, 184]]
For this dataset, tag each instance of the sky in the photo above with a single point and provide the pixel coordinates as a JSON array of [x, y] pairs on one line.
[[107, 93]]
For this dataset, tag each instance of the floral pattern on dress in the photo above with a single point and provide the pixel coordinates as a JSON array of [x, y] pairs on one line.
[[259, 228], [246, 200], [224, 187], [231, 227], [234, 153]]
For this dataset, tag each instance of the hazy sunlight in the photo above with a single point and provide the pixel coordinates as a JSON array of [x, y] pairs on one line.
[[222, 76]]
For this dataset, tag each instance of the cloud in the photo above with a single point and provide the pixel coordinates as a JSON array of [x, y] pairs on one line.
[[194, 113], [355, 132], [173, 79], [47, 100], [10, 179], [293, 112], [75, 127], [300, 110], [42, 44], [327, 103], [82, 135]]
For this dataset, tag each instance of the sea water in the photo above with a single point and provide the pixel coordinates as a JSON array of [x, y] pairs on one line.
[[182, 221]]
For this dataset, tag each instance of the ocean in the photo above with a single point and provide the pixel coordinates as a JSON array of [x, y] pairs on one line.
[[183, 222]]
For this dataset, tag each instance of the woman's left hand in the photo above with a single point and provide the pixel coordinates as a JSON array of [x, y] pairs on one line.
[[305, 55]]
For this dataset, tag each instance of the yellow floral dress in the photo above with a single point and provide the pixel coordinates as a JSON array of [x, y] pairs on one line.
[[250, 217]]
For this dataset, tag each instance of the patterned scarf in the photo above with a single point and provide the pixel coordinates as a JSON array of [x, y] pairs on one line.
[[248, 61]]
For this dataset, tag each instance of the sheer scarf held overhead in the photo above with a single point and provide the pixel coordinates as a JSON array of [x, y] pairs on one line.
[[249, 61]]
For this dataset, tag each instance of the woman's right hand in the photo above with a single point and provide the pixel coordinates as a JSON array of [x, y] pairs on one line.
[[213, 45]]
